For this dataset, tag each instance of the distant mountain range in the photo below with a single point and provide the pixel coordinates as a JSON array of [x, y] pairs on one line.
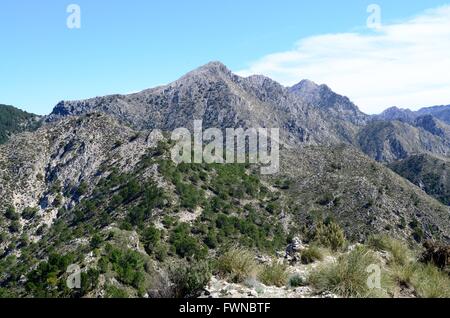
[[394, 113]]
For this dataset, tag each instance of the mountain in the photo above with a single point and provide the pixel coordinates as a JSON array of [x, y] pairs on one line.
[[13, 120], [91, 191], [95, 187], [306, 113], [335, 105], [388, 141], [395, 113], [429, 173], [440, 112], [221, 99]]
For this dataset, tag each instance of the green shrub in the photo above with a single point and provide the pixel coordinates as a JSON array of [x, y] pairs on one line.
[[11, 213], [57, 201], [426, 279], [417, 230], [42, 281], [189, 278], [29, 213], [211, 240], [160, 252], [14, 227], [128, 264], [115, 292], [6, 293], [237, 264], [185, 244], [82, 189], [96, 240], [329, 235], [150, 238], [274, 274], [403, 274], [296, 281], [311, 254], [89, 280]]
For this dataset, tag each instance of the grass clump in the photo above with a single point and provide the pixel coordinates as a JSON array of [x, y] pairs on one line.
[[347, 277], [296, 281], [311, 254], [430, 282], [274, 274], [237, 264], [426, 279], [399, 251]]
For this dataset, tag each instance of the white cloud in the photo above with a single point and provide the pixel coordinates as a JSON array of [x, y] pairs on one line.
[[405, 64]]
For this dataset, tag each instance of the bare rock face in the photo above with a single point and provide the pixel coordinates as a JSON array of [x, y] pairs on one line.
[[335, 105], [306, 113], [224, 100], [58, 158], [388, 141]]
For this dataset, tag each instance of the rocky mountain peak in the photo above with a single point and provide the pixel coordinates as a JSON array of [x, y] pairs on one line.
[[323, 97], [211, 69], [304, 87], [396, 113]]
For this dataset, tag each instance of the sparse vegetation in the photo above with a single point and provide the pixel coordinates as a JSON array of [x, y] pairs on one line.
[[274, 274], [329, 234], [13, 120], [128, 227], [237, 264], [399, 251], [348, 276], [311, 255]]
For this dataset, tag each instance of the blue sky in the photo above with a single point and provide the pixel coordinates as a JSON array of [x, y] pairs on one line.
[[126, 46]]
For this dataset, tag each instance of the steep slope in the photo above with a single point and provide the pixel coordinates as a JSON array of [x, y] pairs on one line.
[[388, 141], [90, 191], [429, 173], [363, 196], [335, 105], [13, 120], [440, 112], [394, 113]]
